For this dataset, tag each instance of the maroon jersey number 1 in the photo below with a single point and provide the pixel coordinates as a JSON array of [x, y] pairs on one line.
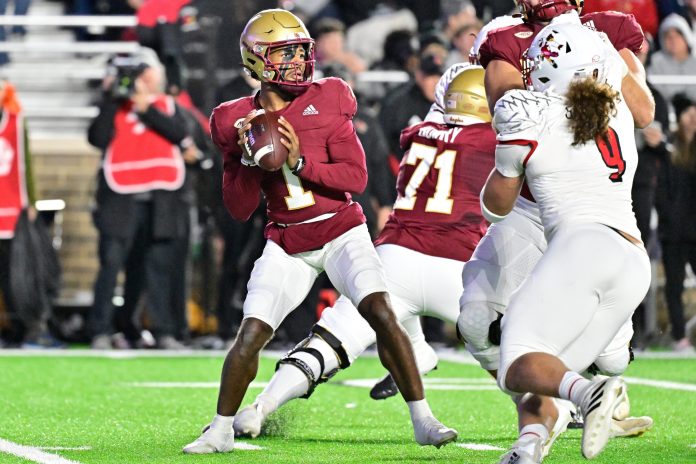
[[298, 197]]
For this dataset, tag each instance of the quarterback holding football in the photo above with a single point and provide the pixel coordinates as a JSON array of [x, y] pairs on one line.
[[314, 224]]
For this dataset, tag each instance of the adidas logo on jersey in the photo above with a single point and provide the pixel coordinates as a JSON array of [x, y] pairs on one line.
[[310, 111], [590, 25]]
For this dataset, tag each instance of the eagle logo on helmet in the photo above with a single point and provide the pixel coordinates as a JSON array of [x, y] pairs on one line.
[[550, 49]]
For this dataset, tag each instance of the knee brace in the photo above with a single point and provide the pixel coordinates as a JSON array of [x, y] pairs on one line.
[[478, 326], [319, 357]]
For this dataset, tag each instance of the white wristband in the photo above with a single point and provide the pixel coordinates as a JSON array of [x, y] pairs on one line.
[[488, 214]]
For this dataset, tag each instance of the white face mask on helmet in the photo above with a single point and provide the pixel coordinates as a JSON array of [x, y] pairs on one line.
[[564, 51]]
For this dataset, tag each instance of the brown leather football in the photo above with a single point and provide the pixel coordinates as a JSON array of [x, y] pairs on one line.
[[264, 142]]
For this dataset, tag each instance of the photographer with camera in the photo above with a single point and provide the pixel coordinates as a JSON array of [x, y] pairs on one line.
[[142, 199]]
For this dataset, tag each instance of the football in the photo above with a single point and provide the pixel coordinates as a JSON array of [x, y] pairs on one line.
[[264, 142]]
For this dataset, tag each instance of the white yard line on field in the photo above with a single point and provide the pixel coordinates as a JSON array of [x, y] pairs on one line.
[[32, 454], [244, 446], [479, 447], [187, 384], [63, 448], [667, 385], [455, 383]]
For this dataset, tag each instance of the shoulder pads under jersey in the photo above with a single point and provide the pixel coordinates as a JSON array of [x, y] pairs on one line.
[[522, 111]]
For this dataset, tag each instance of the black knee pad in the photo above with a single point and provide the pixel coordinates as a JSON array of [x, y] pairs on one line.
[[335, 344], [303, 366]]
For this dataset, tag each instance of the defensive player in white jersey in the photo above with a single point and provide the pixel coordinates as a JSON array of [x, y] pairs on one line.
[[434, 228], [572, 140], [505, 257]]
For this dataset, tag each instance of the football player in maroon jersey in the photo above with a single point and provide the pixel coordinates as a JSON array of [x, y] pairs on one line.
[[431, 233], [314, 225], [502, 53]]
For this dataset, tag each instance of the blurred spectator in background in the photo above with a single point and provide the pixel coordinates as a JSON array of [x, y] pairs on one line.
[[141, 192], [330, 49], [455, 14], [158, 28], [200, 29], [16, 192], [91, 7], [645, 11], [198, 156], [367, 37], [400, 52], [462, 42], [29, 269], [489, 9], [652, 144], [675, 57], [676, 207], [21, 7], [409, 103]]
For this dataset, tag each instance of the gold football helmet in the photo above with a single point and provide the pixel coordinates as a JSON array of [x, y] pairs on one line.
[[273, 29], [465, 98], [546, 10]]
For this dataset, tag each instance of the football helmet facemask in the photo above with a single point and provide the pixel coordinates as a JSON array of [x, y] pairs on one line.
[[564, 52], [268, 31], [546, 10], [465, 98]]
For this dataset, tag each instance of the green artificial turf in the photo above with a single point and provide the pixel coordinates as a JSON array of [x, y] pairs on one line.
[[93, 402]]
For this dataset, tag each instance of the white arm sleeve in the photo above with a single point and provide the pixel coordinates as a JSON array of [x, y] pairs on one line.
[[509, 159]]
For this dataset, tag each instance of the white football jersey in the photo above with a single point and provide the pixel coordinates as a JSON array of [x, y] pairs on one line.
[[581, 184]]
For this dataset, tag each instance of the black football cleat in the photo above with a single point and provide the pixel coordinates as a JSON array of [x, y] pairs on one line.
[[385, 388], [576, 421]]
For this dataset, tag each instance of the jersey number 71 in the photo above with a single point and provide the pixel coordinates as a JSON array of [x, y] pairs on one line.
[[425, 157]]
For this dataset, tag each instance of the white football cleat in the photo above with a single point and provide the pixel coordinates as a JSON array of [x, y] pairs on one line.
[[211, 441], [520, 452], [564, 418], [248, 421], [430, 431], [630, 427], [598, 405], [623, 409]]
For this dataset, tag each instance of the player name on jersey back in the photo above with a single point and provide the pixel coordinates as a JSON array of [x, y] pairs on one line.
[[447, 136]]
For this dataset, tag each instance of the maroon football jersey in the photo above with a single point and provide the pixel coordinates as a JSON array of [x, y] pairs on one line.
[[511, 43], [335, 165], [437, 211]]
